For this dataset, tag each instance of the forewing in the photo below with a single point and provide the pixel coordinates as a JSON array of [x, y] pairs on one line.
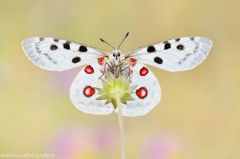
[[141, 106], [57, 54], [80, 100], [179, 54]]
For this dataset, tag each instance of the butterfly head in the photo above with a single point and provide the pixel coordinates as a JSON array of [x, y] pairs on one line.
[[116, 57]]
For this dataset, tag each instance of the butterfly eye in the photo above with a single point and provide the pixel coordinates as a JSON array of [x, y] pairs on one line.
[[118, 54], [114, 54]]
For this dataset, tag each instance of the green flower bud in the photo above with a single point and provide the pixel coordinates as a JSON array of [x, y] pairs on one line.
[[119, 85]]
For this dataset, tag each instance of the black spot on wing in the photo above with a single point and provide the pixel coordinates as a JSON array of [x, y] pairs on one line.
[[41, 38], [192, 38], [83, 48], [56, 40], [151, 49], [66, 46], [158, 60], [177, 39], [76, 59], [167, 46]]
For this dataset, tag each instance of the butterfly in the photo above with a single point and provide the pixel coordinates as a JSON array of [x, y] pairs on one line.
[[180, 54]]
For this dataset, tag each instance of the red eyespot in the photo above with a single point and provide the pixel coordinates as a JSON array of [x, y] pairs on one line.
[[53, 47], [101, 60], [88, 91], [180, 47], [133, 59], [143, 71], [88, 69], [133, 62], [142, 92]]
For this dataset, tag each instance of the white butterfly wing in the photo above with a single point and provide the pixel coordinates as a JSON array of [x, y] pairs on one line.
[[57, 54], [141, 106], [79, 98], [137, 107], [174, 55]]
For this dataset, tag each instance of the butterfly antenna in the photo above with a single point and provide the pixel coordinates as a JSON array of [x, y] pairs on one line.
[[123, 40], [107, 43]]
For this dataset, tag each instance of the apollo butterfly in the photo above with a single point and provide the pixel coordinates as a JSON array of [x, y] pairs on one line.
[[174, 55]]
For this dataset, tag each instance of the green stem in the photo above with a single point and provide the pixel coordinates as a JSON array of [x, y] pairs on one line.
[[120, 119]]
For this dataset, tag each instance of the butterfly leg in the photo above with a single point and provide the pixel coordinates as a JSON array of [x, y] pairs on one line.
[[105, 68], [129, 71]]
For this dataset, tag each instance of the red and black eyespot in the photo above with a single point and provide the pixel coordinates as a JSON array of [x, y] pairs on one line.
[[101, 60], [142, 92], [133, 62], [143, 71], [180, 47], [88, 69], [53, 47], [88, 91]]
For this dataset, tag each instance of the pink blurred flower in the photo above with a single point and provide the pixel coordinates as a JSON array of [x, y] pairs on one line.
[[61, 81], [162, 147], [104, 139], [65, 143], [75, 141]]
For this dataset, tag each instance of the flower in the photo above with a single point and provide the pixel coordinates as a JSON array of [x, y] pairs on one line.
[[113, 86], [163, 146], [77, 141]]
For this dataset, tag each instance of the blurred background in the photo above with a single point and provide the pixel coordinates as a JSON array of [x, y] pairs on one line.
[[199, 113]]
